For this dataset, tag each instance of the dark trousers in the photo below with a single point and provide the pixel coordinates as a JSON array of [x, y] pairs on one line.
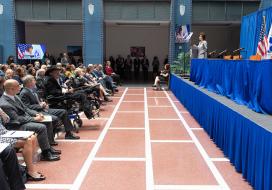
[[145, 72], [41, 130], [11, 170], [136, 74], [61, 115]]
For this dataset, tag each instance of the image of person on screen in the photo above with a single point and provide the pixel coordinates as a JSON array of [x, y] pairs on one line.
[[29, 52], [181, 35]]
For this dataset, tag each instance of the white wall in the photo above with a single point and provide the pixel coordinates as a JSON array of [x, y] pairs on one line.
[[218, 37], [56, 37], [155, 39]]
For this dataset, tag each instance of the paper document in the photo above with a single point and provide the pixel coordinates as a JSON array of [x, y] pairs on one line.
[[18, 134], [47, 118]]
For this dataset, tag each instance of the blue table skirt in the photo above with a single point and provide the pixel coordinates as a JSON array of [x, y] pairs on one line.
[[247, 145], [246, 82]]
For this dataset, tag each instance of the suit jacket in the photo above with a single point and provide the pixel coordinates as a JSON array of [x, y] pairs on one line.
[[17, 111], [52, 87], [30, 100], [202, 49]]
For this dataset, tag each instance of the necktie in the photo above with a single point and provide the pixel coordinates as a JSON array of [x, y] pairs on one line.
[[36, 96]]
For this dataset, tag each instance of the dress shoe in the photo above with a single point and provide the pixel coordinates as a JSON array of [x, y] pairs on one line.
[[48, 156], [54, 151], [71, 136], [35, 178], [54, 143]]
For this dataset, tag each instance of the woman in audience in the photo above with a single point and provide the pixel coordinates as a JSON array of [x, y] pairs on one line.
[[28, 147], [109, 72], [164, 76], [32, 71], [20, 75], [40, 81]]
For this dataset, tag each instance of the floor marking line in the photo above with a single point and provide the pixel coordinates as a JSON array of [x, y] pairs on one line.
[[148, 151], [220, 159], [134, 94], [160, 106], [133, 101], [85, 167], [159, 119], [197, 129], [119, 159], [172, 141], [48, 186], [98, 118], [158, 97], [187, 187], [156, 101], [126, 128], [202, 151], [76, 141], [130, 111]]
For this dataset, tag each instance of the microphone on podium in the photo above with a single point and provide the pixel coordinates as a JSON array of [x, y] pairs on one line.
[[223, 52], [213, 52], [238, 50]]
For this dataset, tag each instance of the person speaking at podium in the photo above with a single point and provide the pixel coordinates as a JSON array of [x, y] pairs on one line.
[[202, 46]]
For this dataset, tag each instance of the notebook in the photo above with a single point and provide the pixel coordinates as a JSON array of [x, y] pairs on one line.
[[18, 134]]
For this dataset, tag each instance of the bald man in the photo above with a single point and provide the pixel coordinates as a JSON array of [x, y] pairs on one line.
[[27, 119]]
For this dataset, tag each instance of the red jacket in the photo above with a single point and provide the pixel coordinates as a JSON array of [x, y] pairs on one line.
[[108, 70]]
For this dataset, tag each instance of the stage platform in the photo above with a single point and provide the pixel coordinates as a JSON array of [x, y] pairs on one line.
[[243, 135]]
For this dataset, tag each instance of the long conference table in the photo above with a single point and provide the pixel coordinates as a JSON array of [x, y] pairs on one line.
[[244, 81]]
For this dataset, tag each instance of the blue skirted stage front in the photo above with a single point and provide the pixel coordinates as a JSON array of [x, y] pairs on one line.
[[244, 81], [245, 142]]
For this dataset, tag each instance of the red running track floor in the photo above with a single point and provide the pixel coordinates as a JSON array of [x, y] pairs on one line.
[[144, 139]]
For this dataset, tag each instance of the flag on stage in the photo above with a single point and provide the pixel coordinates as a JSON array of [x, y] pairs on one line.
[[263, 41], [269, 47]]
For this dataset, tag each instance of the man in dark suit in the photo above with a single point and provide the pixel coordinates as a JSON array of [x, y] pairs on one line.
[[10, 175], [31, 100], [54, 90], [137, 63], [145, 67], [26, 119]]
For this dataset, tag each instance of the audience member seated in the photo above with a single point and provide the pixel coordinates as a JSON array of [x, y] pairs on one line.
[[54, 90], [40, 81], [108, 79], [31, 100], [9, 167], [28, 147], [23, 118], [164, 76], [109, 72]]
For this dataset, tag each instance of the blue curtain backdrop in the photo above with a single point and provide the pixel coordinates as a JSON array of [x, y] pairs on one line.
[[7, 30], [244, 81], [93, 32], [247, 145], [250, 30]]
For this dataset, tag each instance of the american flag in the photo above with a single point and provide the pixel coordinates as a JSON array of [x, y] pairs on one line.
[[21, 49], [263, 41]]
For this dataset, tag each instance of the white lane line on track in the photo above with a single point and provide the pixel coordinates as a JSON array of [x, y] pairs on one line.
[[84, 169], [202, 151]]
